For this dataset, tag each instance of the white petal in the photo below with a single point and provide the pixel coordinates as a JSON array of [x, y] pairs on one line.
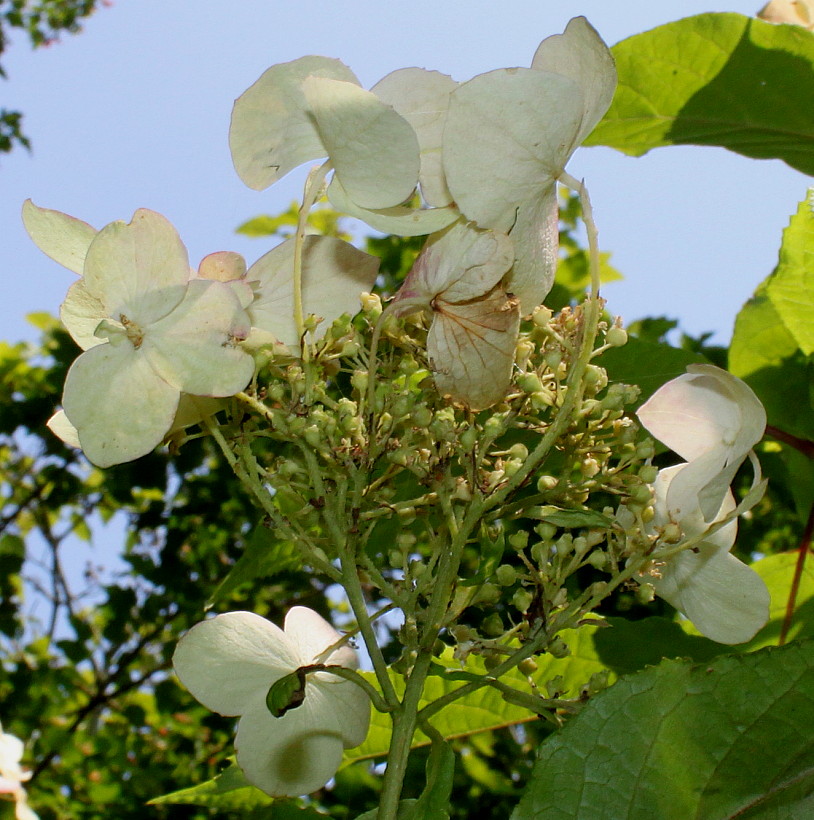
[[139, 270], [229, 662], [422, 98], [193, 409], [580, 53], [704, 409], [508, 136], [295, 754], [459, 263], [64, 238], [471, 348], [334, 273], [119, 405], [312, 635], [81, 313], [400, 220], [536, 237], [372, 148], [59, 425], [272, 130], [725, 599], [195, 347]]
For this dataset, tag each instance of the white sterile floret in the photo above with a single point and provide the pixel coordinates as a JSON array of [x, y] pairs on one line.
[[724, 598], [230, 662], [149, 334], [710, 418], [12, 775]]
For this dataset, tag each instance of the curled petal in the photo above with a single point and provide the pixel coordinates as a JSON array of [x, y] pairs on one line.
[[312, 634]]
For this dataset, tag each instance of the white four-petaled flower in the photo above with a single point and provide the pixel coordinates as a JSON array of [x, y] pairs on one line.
[[712, 419], [230, 662]]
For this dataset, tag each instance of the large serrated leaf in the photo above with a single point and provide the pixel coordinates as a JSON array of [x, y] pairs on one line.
[[715, 79], [726, 739]]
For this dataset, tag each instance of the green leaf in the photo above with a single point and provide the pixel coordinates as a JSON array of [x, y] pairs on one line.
[[715, 79], [229, 790], [646, 364], [485, 708], [682, 740], [567, 518], [264, 557], [791, 287], [767, 357], [434, 801]]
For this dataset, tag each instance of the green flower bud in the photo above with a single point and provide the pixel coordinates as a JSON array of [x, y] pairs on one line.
[[493, 625], [527, 667], [545, 483], [492, 662], [521, 600], [553, 359], [648, 473], [276, 391], [468, 438], [616, 336], [519, 540], [506, 575], [519, 451], [512, 465], [598, 559], [359, 380], [542, 399], [371, 303], [487, 594], [645, 593], [422, 416], [529, 382], [541, 316], [545, 530]]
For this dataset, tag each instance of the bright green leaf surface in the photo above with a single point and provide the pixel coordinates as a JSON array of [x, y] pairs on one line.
[[715, 79], [791, 288], [683, 741], [485, 708]]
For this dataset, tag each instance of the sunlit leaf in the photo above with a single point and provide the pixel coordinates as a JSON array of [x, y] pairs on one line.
[[679, 740], [715, 79]]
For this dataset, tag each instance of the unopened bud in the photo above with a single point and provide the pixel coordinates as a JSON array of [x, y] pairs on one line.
[[616, 336], [492, 625], [371, 303], [529, 382], [645, 593], [527, 667], [541, 316], [506, 575], [559, 648], [546, 483], [648, 473]]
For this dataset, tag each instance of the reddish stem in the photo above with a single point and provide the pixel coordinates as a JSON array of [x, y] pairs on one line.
[[802, 552], [804, 446]]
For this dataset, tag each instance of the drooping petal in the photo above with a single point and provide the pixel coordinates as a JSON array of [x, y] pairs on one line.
[[312, 635], [334, 274], [459, 264], [64, 238], [229, 662], [81, 313], [507, 138], [422, 98], [195, 347], [373, 150], [400, 220], [580, 53], [118, 404], [725, 599], [471, 348], [139, 270], [292, 755], [536, 238], [272, 129], [193, 409]]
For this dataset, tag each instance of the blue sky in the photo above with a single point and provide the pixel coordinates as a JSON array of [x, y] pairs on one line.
[[134, 112]]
